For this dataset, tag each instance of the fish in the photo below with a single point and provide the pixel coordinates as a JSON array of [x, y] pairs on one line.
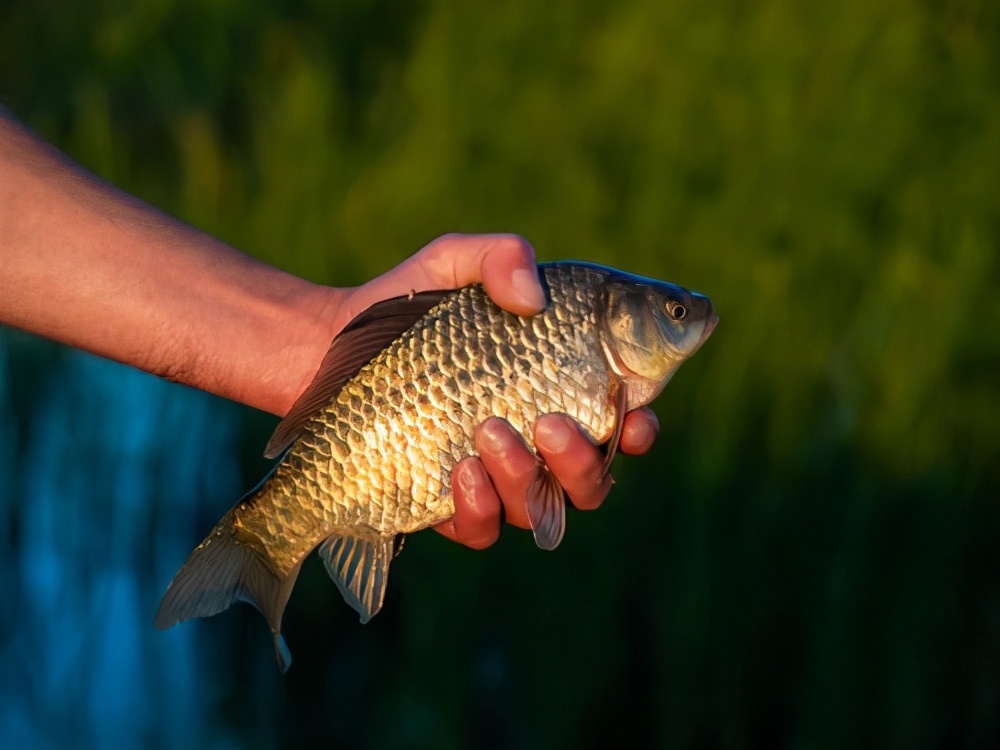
[[368, 449]]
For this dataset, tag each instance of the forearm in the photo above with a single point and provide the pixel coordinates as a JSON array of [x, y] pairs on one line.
[[87, 265]]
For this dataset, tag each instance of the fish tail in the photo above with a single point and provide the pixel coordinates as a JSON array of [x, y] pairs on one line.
[[221, 571]]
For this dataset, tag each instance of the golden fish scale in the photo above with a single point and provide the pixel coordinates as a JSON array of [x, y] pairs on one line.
[[380, 455]]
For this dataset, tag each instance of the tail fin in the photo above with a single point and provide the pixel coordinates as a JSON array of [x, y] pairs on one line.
[[220, 571]]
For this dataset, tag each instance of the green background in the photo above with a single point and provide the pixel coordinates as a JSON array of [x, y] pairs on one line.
[[809, 557]]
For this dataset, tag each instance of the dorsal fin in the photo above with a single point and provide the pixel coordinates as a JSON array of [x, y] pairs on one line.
[[354, 347]]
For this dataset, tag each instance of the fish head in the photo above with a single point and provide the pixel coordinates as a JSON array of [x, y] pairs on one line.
[[650, 328]]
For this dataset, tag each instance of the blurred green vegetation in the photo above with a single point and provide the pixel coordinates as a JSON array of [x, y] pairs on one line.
[[810, 557]]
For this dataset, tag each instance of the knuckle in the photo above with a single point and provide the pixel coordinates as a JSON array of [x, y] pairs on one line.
[[445, 239], [510, 243], [484, 539], [514, 240]]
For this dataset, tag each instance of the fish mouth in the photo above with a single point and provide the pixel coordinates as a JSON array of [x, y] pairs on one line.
[[702, 306], [710, 325]]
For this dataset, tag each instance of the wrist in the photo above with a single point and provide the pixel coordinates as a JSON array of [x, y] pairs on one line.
[[311, 320], [271, 334]]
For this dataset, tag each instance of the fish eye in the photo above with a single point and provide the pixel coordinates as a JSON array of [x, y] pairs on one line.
[[676, 310]]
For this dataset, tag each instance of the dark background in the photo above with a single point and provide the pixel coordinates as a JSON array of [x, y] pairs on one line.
[[808, 559]]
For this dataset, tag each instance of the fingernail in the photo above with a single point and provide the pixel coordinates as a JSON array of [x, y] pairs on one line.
[[553, 434], [467, 477], [527, 289], [639, 432], [492, 440]]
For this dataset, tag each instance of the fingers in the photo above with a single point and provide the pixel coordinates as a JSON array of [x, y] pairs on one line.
[[574, 459], [511, 466], [505, 263], [640, 432], [494, 486], [570, 455], [491, 487], [476, 522]]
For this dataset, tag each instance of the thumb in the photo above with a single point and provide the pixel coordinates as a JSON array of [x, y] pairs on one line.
[[504, 263]]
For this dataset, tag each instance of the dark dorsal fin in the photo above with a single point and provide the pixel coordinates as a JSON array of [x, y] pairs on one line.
[[353, 348]]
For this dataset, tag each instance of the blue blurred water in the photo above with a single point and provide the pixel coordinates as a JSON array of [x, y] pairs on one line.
[[104, 471]]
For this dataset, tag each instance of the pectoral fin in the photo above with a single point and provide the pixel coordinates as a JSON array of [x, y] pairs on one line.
[[359, 564], [621, 404], [546, 504]]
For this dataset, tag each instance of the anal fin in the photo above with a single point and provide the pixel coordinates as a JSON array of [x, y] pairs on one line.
[[358, 562]]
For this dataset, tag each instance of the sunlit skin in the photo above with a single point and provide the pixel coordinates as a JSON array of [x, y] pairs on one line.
[[87, 265]]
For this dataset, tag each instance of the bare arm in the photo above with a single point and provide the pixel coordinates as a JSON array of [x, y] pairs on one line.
[[85, 264]]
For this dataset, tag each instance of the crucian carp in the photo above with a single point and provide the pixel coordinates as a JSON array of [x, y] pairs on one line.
[[368, 449]]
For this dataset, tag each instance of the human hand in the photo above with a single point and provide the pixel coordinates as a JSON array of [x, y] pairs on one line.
[[189, 308], [493, 486]]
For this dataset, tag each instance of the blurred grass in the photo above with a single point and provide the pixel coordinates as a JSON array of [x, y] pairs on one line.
[[810, 556]]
